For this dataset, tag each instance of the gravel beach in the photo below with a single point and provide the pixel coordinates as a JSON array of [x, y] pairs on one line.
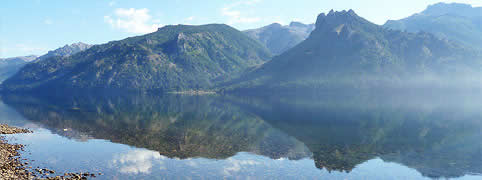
[[12, 166]]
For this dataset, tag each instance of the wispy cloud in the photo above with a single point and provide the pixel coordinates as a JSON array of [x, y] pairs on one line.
[[48, 21], [112, 3], [132, 20], [235, 165], [235, 16], [190, 18]]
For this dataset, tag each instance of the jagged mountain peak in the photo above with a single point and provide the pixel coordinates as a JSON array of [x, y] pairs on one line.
[[337, 17], [67, 50], [345, 46]]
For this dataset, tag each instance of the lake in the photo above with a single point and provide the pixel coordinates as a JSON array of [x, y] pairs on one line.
[[354, 136]]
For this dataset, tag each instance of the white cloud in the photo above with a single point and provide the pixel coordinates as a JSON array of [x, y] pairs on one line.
[[236, 165], [137, 161], [48, 21], [132, 20], [236, 16]]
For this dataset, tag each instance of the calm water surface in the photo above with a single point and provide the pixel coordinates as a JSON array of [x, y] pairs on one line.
[[212, 137]]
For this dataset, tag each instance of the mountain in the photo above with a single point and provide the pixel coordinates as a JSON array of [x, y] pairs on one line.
[[278, 38], [346, 51], [66, 50], [173, 58], [9, 66], [459, 22]]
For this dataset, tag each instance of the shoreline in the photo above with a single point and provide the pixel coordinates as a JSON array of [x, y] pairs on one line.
[[13, 166], [194, 92]]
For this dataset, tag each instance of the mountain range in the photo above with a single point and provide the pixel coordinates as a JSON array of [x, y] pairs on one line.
[[458, 22], [278, 38], [344, 51]]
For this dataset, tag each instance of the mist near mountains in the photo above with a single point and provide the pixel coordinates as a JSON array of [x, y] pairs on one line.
[[457, 22], [278, 38], [341, 51], [345, 51]]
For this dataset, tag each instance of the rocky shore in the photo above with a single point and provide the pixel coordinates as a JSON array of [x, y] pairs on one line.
[[13, 167]]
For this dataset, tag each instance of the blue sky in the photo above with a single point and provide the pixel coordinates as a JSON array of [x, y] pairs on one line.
[[36, 26]]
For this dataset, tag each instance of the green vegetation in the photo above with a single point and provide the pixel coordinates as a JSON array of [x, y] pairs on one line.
[[175, 58]]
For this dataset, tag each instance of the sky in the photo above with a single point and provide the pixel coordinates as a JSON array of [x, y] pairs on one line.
[[36, 26]]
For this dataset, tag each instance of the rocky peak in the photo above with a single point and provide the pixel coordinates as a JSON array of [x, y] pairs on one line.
[[68, 50], [343, 23], [80, 45], [338, 17]]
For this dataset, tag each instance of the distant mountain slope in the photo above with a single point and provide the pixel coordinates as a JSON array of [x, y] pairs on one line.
[[278, 38], [346, 51], [173, 58], [9, 66], [458, 22]]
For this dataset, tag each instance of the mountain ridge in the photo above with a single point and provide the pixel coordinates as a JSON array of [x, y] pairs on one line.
[[172, 59], [10, 66], [278, 38], [458, 22]]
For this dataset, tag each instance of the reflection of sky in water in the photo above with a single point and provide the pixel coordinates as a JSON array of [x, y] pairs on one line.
[[119, 161], [212, 135]]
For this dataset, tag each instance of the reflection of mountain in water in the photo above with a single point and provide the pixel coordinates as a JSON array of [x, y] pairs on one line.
[[176, 126], [440, 137]]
